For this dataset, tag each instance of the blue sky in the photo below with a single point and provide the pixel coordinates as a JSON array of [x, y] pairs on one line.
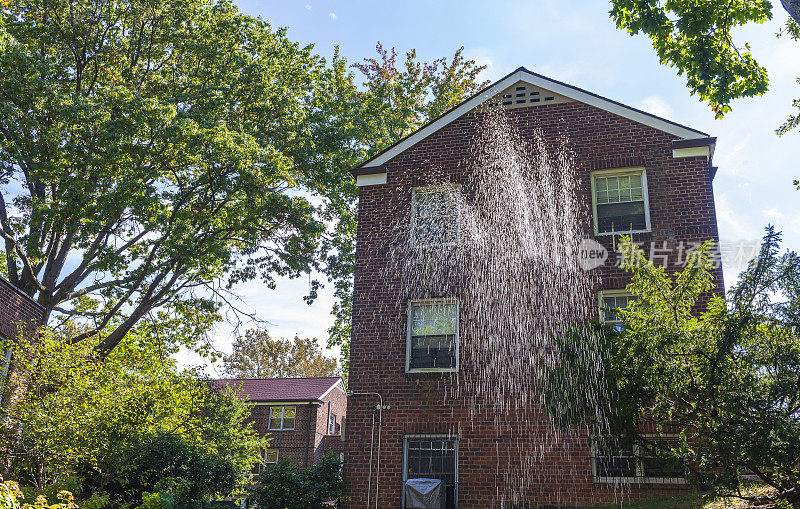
[[576, 42]]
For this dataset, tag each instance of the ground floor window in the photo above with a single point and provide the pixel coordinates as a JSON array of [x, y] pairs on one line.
[[271, 456], [433, 457], [613, 461]]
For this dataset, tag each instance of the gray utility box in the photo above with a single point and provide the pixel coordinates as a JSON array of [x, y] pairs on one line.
[[424, 494]]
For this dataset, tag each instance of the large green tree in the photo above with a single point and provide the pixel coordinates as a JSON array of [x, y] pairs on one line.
[[257, 355], [724, 374], [148, 156], [697, 38]]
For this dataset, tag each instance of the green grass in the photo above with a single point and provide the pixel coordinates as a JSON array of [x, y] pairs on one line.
[[698, 501]]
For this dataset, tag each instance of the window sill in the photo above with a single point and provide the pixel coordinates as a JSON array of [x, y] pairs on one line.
[[416, 371], [639, 480], [433, 246], [280, 429], [606, 234]]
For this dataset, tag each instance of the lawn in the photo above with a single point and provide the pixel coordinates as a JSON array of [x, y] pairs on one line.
[[701, 501]]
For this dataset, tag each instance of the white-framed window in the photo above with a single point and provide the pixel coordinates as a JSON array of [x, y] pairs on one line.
[[614, 462], [270, 456], [611, 301], [281, 417], [620, 202], [332, 424], [433, 457], [432, 340], [435, 214]]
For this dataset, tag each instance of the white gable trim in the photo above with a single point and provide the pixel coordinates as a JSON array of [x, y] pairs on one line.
[[337, 383], [542, 82]]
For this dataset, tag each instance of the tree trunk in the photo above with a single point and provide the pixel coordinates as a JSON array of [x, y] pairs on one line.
[[793, 8]]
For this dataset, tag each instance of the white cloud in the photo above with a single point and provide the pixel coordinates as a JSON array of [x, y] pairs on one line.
[[333, 16], [309, 8], [656, 105], [731, 225], [773, 213]]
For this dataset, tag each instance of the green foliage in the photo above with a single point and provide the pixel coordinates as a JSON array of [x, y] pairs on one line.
[[157, 501], [9, 494], [695, 37], [125, 425], [156, 144], [257, 355], [726, 374], [287, 486]]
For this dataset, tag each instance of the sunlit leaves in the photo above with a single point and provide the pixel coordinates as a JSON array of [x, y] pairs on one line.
[[695, 37], [81, 416], [723, 374], [165, 145], [257, 355]]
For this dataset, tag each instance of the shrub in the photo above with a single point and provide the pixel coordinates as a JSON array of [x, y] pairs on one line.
[[287, 486]]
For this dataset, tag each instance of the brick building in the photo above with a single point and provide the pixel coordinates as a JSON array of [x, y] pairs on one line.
[[19, 315], [303, 416], [636, 173]]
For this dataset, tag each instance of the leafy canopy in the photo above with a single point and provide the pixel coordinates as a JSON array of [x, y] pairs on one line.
[[697, 38], [257, 355], [148, 152], [724, 375]]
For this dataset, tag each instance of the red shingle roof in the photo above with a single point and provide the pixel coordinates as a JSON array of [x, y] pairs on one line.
[[279, 389]]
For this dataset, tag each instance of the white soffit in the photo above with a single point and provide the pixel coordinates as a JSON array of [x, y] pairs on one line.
[[539, 82], [677, 153], [373, 179]]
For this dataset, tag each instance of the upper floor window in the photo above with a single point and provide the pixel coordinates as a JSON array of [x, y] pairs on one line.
[[281, 417], [332, 424], [620, 201], [432, 343], [434, 215], [611, 302]]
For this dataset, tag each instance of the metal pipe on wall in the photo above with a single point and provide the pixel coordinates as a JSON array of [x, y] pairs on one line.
[[372, 439]]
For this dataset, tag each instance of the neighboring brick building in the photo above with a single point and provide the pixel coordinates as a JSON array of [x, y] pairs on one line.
[[303, 416], [19, 315], [661, 174]]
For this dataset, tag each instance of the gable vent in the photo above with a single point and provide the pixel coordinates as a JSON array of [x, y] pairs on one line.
[[524, 95]]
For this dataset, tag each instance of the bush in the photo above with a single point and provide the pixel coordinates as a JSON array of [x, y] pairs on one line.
[[182, 471], [287, 486], [724, 374], [110, 431]]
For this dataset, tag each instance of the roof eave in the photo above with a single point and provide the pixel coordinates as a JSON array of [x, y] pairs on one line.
[[374, 164]]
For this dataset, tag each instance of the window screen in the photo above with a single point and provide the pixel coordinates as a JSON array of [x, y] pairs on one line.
[[619, 203], [433, 333]]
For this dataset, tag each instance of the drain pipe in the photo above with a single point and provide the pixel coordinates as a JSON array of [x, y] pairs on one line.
[[380, 425]]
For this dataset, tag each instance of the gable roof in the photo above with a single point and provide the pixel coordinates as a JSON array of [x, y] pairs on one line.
[[279, 389], [538, 80]]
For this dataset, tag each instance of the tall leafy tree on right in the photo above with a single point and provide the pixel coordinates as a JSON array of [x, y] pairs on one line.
[[724, 372], [696, 38]]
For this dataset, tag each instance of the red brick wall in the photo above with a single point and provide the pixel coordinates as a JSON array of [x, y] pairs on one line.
[[296, 444], [335, 402], [681, 209], [18, 313], [305, 444]]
